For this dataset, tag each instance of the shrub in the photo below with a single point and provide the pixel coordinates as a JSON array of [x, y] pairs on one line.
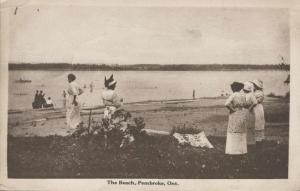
[[119, 127], [185, 130]]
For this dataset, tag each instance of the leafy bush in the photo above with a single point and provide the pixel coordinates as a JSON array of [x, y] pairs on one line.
[[119, 127], [184, 130]]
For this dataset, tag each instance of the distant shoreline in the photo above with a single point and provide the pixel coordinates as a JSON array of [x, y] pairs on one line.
[[145, 67]]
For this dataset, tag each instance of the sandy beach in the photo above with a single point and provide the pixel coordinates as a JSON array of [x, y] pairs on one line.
[[207, 114]]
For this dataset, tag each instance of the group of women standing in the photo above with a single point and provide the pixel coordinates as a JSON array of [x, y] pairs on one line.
[[246, 113], [246, 117], [109, 97]]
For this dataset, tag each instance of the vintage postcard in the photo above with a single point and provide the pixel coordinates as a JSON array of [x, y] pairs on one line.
[[152, 95]]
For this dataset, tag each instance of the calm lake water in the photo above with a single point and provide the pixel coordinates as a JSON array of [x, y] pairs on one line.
[[137, 85]]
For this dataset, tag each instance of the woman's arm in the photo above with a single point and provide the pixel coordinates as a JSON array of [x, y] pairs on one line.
[[74, 100], [74, 89], [260, 97], [228, 104], [252, 106], [253, 101], [116, 101], [231, 109], [107, 102]]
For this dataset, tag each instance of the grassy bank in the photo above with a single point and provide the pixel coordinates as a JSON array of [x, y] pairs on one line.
[[149, 157]]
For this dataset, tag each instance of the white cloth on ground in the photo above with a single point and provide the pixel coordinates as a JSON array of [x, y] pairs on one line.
[[195, 140]]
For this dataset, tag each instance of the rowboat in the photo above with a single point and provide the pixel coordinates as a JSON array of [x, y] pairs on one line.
[[22, 81]]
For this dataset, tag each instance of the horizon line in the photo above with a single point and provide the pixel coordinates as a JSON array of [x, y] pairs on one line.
[[114, 64]]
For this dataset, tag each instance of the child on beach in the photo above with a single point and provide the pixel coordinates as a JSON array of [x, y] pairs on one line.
[[259, 111], [49, 103]]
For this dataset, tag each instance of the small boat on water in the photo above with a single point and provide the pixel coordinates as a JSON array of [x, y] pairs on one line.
[[21, 80], [20, 94]]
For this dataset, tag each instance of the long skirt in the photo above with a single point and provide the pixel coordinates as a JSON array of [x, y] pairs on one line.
[[259, 122], [236, 143], [250, 128], [73, 116], [259, 135]]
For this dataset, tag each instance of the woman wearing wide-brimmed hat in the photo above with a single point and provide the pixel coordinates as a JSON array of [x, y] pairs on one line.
[[114, 116], [236, 140], [250, 119], [259, 111], [110, 99]]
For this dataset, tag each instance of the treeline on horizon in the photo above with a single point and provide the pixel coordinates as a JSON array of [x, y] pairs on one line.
[[145, 67]]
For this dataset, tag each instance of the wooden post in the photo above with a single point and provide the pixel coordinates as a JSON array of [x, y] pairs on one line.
[[193, 94], [90, 116]]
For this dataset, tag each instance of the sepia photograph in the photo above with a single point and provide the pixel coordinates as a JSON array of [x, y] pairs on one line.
[[148, 93], [135, 95]]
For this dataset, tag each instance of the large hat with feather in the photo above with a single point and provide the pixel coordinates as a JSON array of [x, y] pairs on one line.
[[110, 81]]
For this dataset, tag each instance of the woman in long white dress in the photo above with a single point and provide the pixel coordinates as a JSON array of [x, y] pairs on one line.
[[72, 104], [259, 113], [236, 140], [250, 119]]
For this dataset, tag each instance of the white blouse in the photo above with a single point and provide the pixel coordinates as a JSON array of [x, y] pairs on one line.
[[110, 98], [236, 100], [259, 95], [250, 99], [73, 88]]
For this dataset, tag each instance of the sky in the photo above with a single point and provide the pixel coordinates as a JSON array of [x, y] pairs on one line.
[[148, 35]]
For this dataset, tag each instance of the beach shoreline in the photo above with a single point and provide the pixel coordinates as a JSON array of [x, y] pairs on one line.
[[207, 114]]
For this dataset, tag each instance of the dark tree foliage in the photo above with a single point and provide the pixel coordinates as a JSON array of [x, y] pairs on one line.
[[145, 67]]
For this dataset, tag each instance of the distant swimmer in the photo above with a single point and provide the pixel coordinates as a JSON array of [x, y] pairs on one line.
[[91, 87], [194, 93]]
